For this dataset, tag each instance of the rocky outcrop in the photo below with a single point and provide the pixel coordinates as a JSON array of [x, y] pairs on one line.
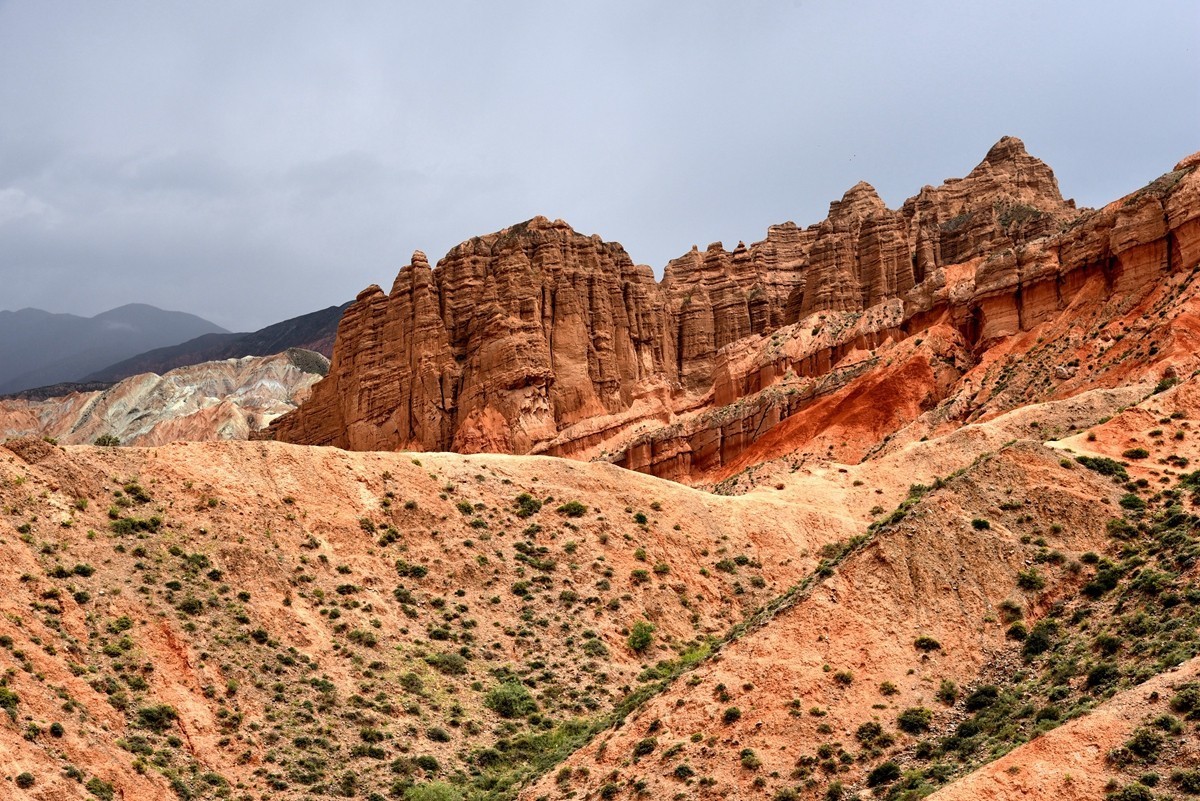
[[541, 339], [227, 399], [514, 337]]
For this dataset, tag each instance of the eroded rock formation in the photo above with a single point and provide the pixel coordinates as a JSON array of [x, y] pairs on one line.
[[514, 337], [227, 399], [541, 339]]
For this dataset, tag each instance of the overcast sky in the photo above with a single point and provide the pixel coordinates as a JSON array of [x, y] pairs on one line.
[[250, 161]]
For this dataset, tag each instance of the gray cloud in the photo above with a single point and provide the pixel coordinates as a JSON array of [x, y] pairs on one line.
[[252, 161]]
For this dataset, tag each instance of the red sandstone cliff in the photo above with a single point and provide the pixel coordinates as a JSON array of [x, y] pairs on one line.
[[514, 337], [540, 339]]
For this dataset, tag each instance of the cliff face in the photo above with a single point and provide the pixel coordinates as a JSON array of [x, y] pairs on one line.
[[540, 339], [514, 337]]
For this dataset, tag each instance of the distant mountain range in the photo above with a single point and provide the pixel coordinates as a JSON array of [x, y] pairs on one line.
[[45, 355], [39, 347], [313, 331]]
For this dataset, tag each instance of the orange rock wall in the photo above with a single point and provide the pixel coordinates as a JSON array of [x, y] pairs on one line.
[[520, 338]]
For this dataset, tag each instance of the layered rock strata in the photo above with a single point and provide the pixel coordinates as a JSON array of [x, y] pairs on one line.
[[228, 399], [541, 339]]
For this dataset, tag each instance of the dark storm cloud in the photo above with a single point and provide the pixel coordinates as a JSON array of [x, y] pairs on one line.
[[252, 161]]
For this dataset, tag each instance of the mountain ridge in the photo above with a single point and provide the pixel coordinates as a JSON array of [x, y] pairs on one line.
[[312, 331], [39, 348], [537, 338]]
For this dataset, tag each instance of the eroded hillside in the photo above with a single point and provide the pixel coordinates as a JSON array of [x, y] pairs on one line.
[[995, 604], [316, 620], [248, 618]]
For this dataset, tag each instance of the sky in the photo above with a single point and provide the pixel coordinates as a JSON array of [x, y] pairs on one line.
[[249, 161]]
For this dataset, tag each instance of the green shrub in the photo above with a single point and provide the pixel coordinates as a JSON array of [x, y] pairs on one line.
[[884, 773], [1132, 502], [947, 692], [9, 701], [362, 637], [427, 763], [1168, 723], [644, 747], [1120, 528], [572, 509], [1104, 466], [26, 780], [915, 719], [1145, 743], [982, 698], [405, 570], [1031, 579], [1186, 701], [510, 700], [527, 505], [99, 788], [191, 606], [159, 717], [1131, 792], [1187, 780], [433, 791], [594, 647], [1010, 611], [1135, 453], [868, 732], [979, 524], [926, 644], [640, 636], [731, 715], [1102, 675], [107, 441], [449, 662], [1040, 638]]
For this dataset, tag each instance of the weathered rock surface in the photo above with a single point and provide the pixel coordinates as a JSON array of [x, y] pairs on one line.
[[227, 399], [540, 339], [514, 337]]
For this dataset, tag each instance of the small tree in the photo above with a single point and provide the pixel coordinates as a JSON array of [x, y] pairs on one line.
[[107, 441], [641, 636]]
